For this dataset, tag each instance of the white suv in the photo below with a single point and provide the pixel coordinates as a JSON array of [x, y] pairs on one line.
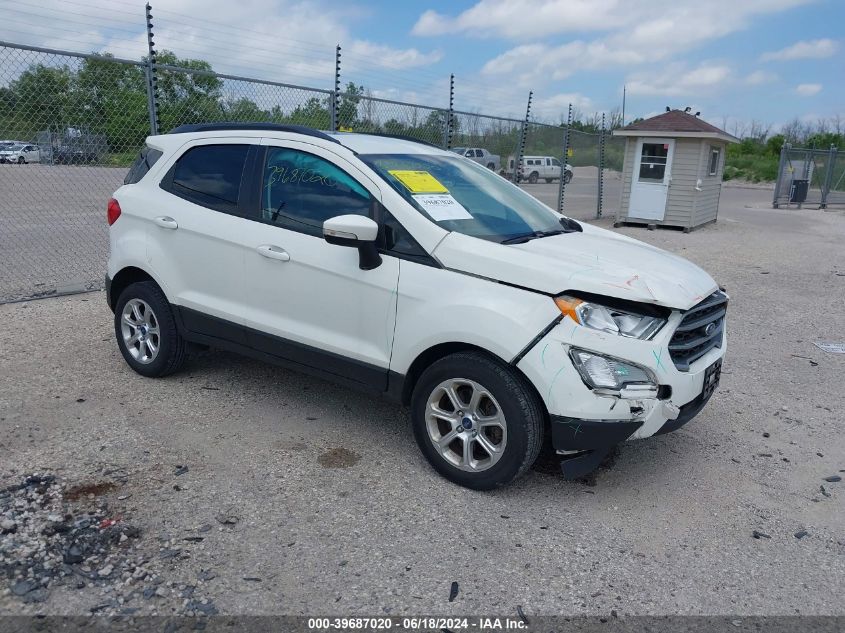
[[405, 270]]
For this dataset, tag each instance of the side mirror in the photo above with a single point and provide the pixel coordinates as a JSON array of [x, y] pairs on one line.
[[356, 231]]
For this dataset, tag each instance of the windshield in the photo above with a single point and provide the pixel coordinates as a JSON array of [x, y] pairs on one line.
[[14, 148], [462, 196]]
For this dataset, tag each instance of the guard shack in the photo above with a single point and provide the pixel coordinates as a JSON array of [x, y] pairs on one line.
[[672, 172]]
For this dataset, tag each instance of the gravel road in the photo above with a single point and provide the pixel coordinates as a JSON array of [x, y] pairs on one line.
[[242, 488]]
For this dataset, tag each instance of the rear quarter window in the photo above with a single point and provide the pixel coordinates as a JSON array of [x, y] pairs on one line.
[[146, 158]]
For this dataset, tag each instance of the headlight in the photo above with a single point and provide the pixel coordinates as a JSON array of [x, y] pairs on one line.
[[606, 372], [606, 319]]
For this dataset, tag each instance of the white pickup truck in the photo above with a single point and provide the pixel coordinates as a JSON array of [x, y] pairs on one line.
[[480, 156], [533, 168]]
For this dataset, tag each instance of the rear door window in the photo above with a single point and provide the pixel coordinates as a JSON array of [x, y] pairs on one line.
[[209, 175]]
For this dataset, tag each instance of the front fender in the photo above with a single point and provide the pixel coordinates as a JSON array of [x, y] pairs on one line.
[[439, 306]]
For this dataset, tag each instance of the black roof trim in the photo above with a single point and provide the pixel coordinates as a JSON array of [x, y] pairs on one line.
[[270, 127]]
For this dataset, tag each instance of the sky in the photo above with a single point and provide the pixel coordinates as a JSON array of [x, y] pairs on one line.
[[735, 61]]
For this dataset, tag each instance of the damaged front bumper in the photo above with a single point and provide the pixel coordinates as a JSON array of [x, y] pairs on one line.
[[587, 422], [583, 444]]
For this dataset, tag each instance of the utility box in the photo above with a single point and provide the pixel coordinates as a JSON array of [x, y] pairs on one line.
[[798, 190], [672, 172]]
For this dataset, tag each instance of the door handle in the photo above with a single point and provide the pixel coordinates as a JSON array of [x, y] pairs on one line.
[[166, 222], [273, 252]]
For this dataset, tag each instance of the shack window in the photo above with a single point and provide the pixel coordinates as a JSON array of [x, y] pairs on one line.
[[714, 160]]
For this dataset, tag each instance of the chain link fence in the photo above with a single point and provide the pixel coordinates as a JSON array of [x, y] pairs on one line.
[[356, 113], [810, 176], [71, 124]]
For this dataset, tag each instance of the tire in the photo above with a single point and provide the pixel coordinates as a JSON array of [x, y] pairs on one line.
[[491, 166], [533, 177], [21, 160], [143, 305], [514, 423], [567, 178], [548, 180]]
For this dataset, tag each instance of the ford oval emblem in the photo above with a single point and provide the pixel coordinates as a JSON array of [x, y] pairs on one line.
[[711, 327]]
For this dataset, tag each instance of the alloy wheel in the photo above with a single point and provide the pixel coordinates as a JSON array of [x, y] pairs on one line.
[[466, 424], [140, 330]]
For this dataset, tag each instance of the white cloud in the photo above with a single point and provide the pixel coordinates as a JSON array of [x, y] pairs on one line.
[[629, 36], [284, 40], [534, 19], [531, 62], [760, 77], [550, 108], [680, 80], [808, 90], [520, 19], [809, 49]]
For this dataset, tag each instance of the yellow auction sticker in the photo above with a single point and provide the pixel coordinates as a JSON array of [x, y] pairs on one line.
[[418, 181]]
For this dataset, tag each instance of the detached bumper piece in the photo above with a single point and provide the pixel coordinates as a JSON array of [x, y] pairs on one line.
[[589, 440]]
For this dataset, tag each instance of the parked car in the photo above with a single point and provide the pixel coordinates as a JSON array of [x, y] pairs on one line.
[[73, 156], [22, 153], [7, 143], [509, 325], [480, 156], [533, 168]]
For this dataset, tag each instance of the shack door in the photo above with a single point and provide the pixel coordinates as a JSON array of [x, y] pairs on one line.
[[651, 177]]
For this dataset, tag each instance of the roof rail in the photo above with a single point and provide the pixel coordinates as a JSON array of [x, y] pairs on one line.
[[234, 126]]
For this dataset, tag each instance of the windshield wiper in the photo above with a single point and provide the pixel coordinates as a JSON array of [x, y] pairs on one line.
[[533, 235], [569, 226]]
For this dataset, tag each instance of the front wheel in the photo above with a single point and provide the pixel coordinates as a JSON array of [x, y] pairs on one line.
[[21, 160], [567, 177], [146, 331], [476, 420], [491, 166]]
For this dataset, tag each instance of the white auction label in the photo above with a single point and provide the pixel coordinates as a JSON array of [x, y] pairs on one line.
[[442, 206]]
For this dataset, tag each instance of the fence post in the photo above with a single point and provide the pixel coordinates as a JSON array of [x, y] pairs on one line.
[[562, 187], [779, 180], [522, 137], [152, 81], [450, 120], [335, 98], [828, 175], [601, 168]]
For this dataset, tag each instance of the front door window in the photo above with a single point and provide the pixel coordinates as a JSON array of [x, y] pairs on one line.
[[653, 162]]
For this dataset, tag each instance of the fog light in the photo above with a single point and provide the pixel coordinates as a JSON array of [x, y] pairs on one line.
[[606, 372]]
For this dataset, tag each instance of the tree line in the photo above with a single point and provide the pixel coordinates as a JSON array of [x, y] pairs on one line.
[[109, 99]]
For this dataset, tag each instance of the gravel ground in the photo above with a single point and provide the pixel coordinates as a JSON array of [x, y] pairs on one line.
[[259, 491]]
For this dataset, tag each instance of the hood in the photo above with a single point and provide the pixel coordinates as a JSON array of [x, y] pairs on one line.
[[597, 261]]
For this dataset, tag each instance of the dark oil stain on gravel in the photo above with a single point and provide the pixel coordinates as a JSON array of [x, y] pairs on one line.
[[75, 493], [338, 458]]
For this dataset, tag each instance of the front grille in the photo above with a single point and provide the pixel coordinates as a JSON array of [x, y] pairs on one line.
[[691, 340]]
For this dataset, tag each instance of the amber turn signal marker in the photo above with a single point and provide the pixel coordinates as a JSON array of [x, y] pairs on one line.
[[568, 305]]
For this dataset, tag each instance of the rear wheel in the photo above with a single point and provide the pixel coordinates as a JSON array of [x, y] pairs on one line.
[[567, 177], [146, 331], [476, 420], [21, 160], [533, 177]]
